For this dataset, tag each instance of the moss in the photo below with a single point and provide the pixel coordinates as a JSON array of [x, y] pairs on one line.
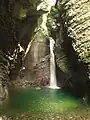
[[22, 13]]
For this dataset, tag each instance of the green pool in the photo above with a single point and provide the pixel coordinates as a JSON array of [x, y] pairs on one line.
[[43, 104], [42, 100]]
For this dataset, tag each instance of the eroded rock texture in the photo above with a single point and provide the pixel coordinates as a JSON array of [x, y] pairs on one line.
[[33, 38], [38, 75], [4, 79], [73, 19], [36, 63], [76, 16]]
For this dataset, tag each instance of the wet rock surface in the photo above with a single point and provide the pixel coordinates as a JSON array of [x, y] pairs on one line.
[[39, 75]]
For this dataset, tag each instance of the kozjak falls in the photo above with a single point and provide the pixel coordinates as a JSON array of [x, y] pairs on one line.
[[44, 60]]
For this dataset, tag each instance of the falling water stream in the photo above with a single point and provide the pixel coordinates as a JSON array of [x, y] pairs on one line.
[[53, 81]]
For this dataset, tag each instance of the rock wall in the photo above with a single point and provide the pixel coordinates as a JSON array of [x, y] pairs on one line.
[[71, 73], [4, 79], [38, 50], [73, 16], [76, 16], [38, 75], [32, 38]]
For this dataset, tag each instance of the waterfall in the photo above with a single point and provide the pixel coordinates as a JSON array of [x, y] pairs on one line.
[[53, 81]]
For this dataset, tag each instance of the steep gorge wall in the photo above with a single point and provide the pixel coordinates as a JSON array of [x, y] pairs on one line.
[[76, 17], [33, 37]]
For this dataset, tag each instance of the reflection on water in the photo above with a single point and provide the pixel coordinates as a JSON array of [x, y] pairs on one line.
[[42, 100]]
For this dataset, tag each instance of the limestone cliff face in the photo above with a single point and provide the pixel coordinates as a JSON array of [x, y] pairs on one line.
[[38, 50], [73, 19], [33, 38], [76, 17], [18, 20]]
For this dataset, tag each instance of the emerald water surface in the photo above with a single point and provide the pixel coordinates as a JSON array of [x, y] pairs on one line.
[[42, 100]]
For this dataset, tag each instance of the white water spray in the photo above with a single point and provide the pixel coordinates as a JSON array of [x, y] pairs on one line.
[[53, 81]]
